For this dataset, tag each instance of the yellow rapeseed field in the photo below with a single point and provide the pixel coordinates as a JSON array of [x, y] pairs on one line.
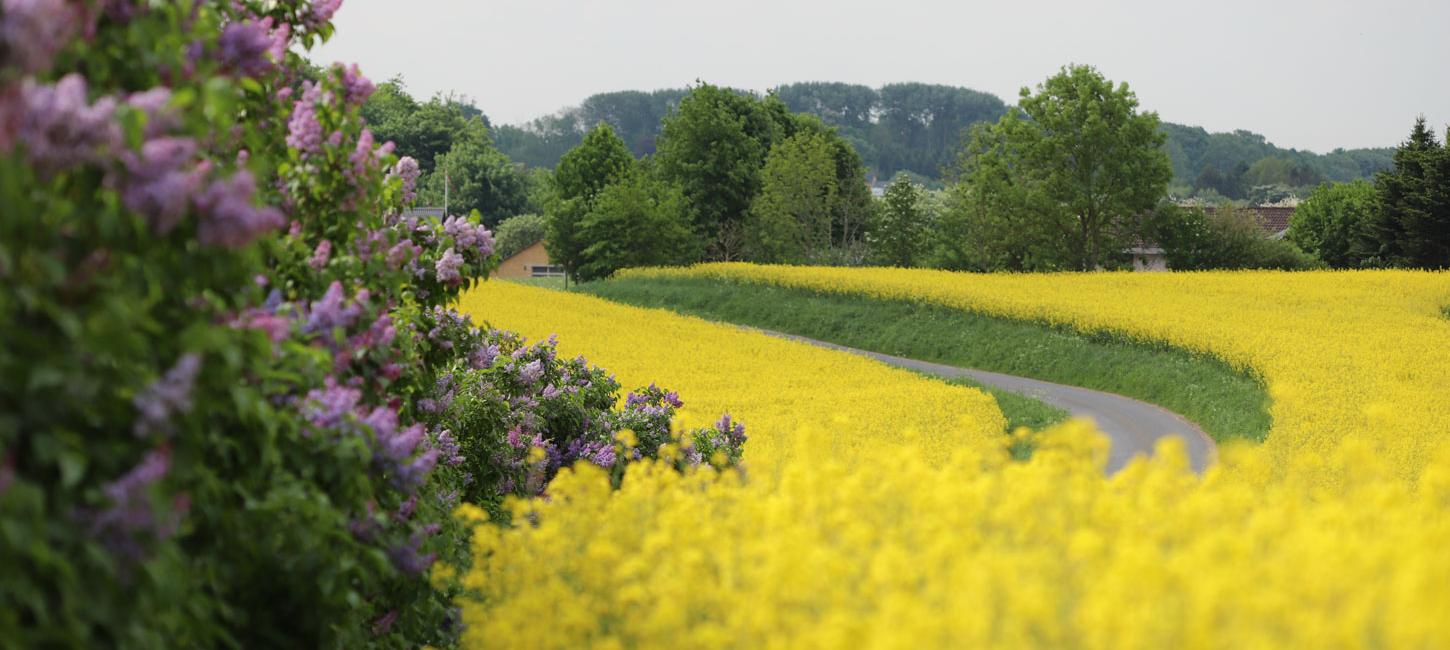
[[1332, 534]]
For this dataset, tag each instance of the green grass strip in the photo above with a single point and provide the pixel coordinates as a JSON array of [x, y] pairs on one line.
[[1227, 403]]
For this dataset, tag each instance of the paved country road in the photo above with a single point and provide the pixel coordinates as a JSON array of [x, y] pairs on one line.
[[1133, 426]]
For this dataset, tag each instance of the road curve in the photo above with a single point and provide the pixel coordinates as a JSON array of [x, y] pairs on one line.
[[1132, 426]]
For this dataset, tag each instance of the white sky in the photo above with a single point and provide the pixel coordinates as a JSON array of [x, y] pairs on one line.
[[1306, 74]]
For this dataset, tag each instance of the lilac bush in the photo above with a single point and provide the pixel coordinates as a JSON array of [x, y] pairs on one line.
[[235, 406]]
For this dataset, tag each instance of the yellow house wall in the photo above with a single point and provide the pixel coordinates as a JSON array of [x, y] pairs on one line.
[[519, 266]]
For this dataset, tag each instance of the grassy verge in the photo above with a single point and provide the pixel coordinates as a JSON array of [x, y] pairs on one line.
[[1228, 404]]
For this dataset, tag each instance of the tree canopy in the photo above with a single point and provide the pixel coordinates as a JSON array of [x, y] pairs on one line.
[[1412, 225], [1062, 181]]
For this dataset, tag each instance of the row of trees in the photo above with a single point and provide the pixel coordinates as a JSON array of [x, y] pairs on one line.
[[919, 128], [1400, 219], [734, 177]]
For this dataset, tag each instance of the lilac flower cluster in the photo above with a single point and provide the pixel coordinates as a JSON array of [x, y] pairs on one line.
[[408, 171], [32, 32], [61, 129], [334, 310], [168, 396], [161, 179], [468, 235], [304, 131], [230, 216], [246, 48], [129, 519], [321, 12]]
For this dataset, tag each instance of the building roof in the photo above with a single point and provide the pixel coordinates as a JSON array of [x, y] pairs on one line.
[[1273, 219], [431, 212]]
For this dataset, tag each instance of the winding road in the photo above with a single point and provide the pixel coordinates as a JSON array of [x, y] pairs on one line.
[[1133, 426]]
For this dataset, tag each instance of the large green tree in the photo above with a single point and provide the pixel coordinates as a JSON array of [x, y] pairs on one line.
[[1412, 227], [1069, 174], [1334, 224], [903, 223], [583, 173], [791, 219], [714, 146], [638, 220], [477, 177]]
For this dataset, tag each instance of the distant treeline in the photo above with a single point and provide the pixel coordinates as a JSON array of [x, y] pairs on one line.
[[919, 128]]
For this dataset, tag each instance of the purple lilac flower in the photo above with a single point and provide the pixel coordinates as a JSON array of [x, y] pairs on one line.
[[515, 438], [151, 469], [531, 373], [304, 131], [130, 512], [167, 396], [61, 130], [33, 31], [483, 357], [407, 169], [733, 432], [356, 88], [407, 508], [161, 179], [449, 448], [329, 406], [407, 559], [401, 252], [414, 472], [280, 36], [230, 219], [448, 499], [331, 312], [245, 48], [468, 235], [447, 267], [156, 104], [321, 255], [321, 12]]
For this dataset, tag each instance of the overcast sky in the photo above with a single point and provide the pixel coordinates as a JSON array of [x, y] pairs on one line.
[[1310, 75]]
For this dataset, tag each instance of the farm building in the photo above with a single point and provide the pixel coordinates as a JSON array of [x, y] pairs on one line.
[[531, 262]]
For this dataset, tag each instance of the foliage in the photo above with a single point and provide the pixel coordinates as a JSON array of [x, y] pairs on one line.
[[842, 537], [790, 220], [480, 180], [449, 133], [900, 233], [1221, 162], [636, 221], [634, 115], [1224, 238], [517, 233], [1412, 227], [230, 350], [1334, 223], [583, 173], [1061, 182], [188, 375], [713, 146]]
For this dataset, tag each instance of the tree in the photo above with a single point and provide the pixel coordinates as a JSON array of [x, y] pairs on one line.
[[478, 178], [584, 172], [713, 145], [1412, 227], [1075, 167], [636, 221], [899, 233], [790, 221], [517, 233], [1334, 223]]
